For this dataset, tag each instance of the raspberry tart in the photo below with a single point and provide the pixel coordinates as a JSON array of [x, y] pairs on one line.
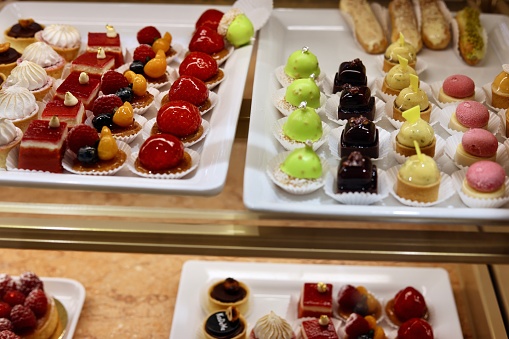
[[357, 300], [358, 326]]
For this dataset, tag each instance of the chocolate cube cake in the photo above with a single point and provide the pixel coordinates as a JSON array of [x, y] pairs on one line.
[[360, 134], [356, 101], [356, 173], [352, 73]]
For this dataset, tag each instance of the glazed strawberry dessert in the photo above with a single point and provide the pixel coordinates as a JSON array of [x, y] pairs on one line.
[[26, 310], [357, 300], [407, 304], [208, 40], [315, 300], [181, 119], [191, 89], [109, 41], [202, 66], [415, 328], [358, 326], [162, 154], [211, 18]]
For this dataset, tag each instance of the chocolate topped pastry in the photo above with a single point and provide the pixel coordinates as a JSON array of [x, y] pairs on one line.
[[356, 173], [355, 101], [226, 324], [360, 134], [352, 73], [8, 54], [25, 28], [228, 292]]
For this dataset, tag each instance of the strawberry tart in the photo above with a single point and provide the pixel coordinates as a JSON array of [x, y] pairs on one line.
[[191, 89], [208, 40], [181, 119], [415, 328], [408, 303], [202, 66]]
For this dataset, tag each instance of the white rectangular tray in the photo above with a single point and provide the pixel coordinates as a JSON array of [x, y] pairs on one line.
[[276, 287], [329, 37], [209, 178]]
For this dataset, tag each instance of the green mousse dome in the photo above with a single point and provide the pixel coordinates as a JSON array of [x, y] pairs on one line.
[[303, 124], [302, 163], [303, 90], [301, 64], [240, 31]]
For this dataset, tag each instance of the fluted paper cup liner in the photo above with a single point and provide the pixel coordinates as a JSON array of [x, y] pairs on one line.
[[494, 123], [285, 80], [489, 96], [434, 117], [459, 176], [294, 185], [440, 145], [213, 97], [479, 96], [147, 131], [384, 143], [257, 11], [70, 156], [420, 65], [288, 144], [298, 324], [445, 191], [356, 198], [124, 138], [286, 108], [331, 110], [378, 84], [195, 160]]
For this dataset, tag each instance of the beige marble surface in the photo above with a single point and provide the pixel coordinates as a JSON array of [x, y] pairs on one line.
[[133, 295]]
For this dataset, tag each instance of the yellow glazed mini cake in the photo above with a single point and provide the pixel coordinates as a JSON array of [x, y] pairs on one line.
[[398, 77], [228, 293], [399, 48], [415, 129], [410, 97]]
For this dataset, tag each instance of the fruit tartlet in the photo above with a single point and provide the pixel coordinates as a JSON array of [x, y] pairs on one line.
[[10, 137], [150, 35], [407, 304], [193, 90], [236, 28], [399, 48], [306, 90], [8, 58], [30, 311], [22, 34], [202, 66], [358, 326], [415, 328], [109, 42], [208, 40], [42, 54], [315, 300], [163, 156], [64, 39], [225, 324], [18, 104], [181, 119], [93, 154], [300, 64], [358, 300], [31, 76], [272, 326], [415, 129], [318, 328], [153, 68], [228, 293], [409, 97]]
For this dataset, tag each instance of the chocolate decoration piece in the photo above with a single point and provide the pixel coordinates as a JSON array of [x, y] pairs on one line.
[[360, 134], [228, 291], [218, 326], [350, 73], [356, 173], [355, 101]]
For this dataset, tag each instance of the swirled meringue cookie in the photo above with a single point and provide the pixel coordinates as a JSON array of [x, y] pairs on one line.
[[18, 104], [64, 39], [10, 136], [272, 326], [42, 54], [33, 77]]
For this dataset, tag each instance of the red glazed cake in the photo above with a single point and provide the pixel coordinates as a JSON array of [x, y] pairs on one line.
[[415, 328], [408, 303], [321, 328], [42, 146], [109, 41], [83, 86], [93, 62], [315, 300], [69, 110]]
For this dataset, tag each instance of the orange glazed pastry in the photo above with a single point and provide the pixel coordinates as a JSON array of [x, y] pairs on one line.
[[500, 89]]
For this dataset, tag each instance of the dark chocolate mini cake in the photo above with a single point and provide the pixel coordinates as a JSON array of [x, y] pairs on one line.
[[356, 101], [356, 173], [360, 134], [352, 73]]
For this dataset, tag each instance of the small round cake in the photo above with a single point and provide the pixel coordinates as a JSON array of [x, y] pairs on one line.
[[236, 27], [476, 144], [303, 90], [457, 87], [22, 34], [18, 105], [30, 75], [64, 39], [500, 89], [418, 130], [228, 293], [301, 64], [484, 180], [225, 324], [399, 48], [303, 124], [42, 54], [469, 114]]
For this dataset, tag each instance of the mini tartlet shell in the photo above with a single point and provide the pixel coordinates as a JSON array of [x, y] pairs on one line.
[[377, 89], [479, 95], [459, 176], [452, 142], [147, 131], [288, 144], [294, 185], [445, 191], [439, 147], [285, 81], [286, 108], [124, 138], [384, 143], [170, 74], [195, 160], [211, 84], [69, 157], [434, 117], [487, 91], [331, 110], [213, 98], [356, 198], [494, 123], [420, 65]]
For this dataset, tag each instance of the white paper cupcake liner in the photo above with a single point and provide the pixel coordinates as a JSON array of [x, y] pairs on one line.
[[258, 11], [452, 142], [69, 157], [420, 65], [124, 138], [289, 145], [147, 131], [285, 80], [356, 198], [440, 146], [487, 92], [170, 73], [213, 97], [434, 117], [331, 110], [286, 108], [459, 176], [142, 110], [378, 84], [384, 143], [195, 160], [294, 185], [479, 96], [445, 191], [494, 123]]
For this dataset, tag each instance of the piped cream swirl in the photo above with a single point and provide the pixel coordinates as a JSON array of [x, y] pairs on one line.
[[272, 326], [29, 75], [8, 132], [64, 36], [42, 54], [16, 103]]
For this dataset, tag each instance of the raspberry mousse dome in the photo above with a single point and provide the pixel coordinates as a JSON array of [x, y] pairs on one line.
[[18, 105], [31, 76], [485, 180], [457, 87], [42, 54], [476, 144], [64, 39], [469, 114]]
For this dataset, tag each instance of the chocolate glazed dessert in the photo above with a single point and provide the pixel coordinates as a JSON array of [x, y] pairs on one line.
[[350, 73], [356, 101], [360, 134], [357, 173], [229, 292]]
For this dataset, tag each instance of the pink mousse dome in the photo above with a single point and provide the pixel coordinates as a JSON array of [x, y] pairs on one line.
[[472, 114], [458, 86], [479, 142], [485, 176]]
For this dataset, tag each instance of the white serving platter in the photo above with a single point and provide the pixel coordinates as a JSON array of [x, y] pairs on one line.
[[276, 287], [210, 176], [329, 37]]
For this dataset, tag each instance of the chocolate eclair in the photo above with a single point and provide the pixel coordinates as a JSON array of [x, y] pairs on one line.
[[356, 173], [355, 101], [360, 134], [351, 73], [227, 293]]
